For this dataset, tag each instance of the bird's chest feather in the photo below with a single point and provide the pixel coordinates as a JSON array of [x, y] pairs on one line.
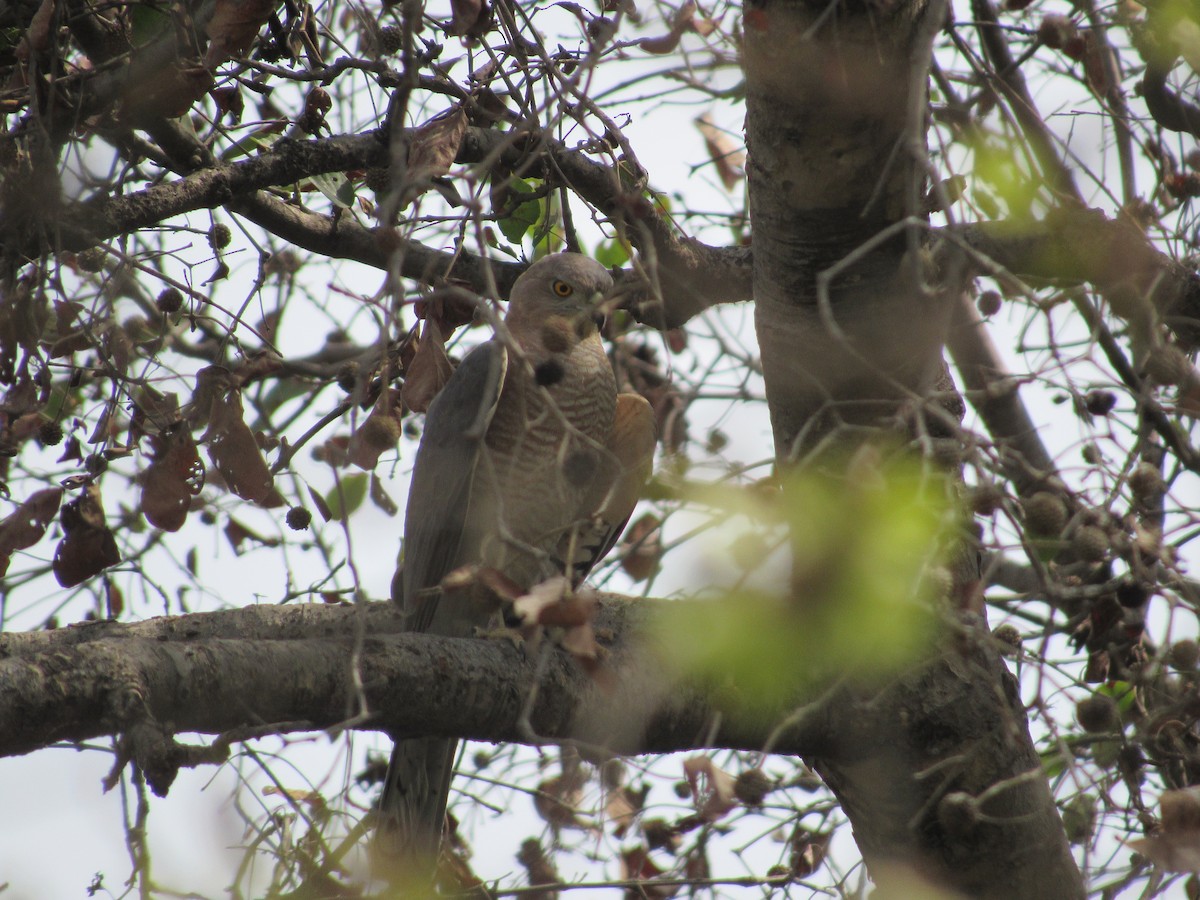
[[547, 438]]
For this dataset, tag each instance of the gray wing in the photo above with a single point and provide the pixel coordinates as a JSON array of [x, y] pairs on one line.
[[439, 535]]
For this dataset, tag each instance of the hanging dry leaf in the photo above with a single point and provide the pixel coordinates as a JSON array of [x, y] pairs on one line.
[[168, 95], [381, 498], [1176, 845], [557, 801], [26, 524], [235, 453], [727, 156], [379, 433], [808, 851], [429, 370], [684, 20], [641, 547], [433, 146], [554, 604], [175, 475], [539, 868], [233, 27], [449, 306], [502, 588], [237, 534], [636, 865], [471, 18], [320, 504], [712, 788], [88, 546], [622, 805]]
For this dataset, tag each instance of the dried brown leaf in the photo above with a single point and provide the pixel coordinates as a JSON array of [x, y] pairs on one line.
[[557, 800], [235, 453], [168, 95], [379, 433], [1175, 846], [320, 504], [663, 44], [88, 546], [37, 38], [621, 806], [641, 547], [539, 868], [808, 851], [636, 865], [435, 144], [429, 370], [496, 582], [553, 603], [237, 534], [26, 524], [470, 18], [175, 475], [449, 306], [712, 788], [233, 27], [380, 497], [725, 153], [683, 21]]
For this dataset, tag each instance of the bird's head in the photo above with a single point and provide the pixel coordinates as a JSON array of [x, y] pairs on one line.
[[563, 286]]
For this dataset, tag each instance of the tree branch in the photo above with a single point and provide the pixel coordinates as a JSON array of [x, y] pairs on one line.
[[323, 667]]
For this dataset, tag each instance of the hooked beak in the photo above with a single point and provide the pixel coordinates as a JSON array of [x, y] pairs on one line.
[[599, 310]]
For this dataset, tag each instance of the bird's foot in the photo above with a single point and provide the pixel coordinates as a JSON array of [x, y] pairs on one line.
[[503, 633]]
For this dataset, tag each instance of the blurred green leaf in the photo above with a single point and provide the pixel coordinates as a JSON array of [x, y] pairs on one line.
[[857, 603], [524, 217], [1055, 761], [611, 253], [1123, 693], [146, 23], [998, 169], [262, 139], [347, 495]]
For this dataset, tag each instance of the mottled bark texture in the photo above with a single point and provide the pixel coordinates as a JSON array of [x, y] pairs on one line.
[[853, 304]]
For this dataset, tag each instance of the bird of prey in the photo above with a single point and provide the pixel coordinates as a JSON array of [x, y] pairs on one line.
[[530, 464]]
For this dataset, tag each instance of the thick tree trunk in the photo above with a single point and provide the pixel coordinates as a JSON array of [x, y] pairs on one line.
[[938, 772]]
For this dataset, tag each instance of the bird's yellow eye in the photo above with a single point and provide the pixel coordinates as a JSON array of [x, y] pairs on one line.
[[563, 289]]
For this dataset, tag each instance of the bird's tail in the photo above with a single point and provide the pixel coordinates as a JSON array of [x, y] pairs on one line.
[[412, 810]]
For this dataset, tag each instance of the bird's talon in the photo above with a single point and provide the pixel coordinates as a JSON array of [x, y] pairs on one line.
[[503, 633]]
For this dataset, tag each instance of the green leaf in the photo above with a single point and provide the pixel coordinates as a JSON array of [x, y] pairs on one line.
[[999, 169], [262, 139], [146, 23], [548, 237], [861, 599], [612, 253], [524, 217], [336, 186], [1123, 693], [347, 495], [1055, 761]]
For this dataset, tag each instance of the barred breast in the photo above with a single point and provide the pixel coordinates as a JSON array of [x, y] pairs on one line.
[[544, 452]]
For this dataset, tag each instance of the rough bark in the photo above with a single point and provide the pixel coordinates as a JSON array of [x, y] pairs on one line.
[[938, 772], [310, 667]]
